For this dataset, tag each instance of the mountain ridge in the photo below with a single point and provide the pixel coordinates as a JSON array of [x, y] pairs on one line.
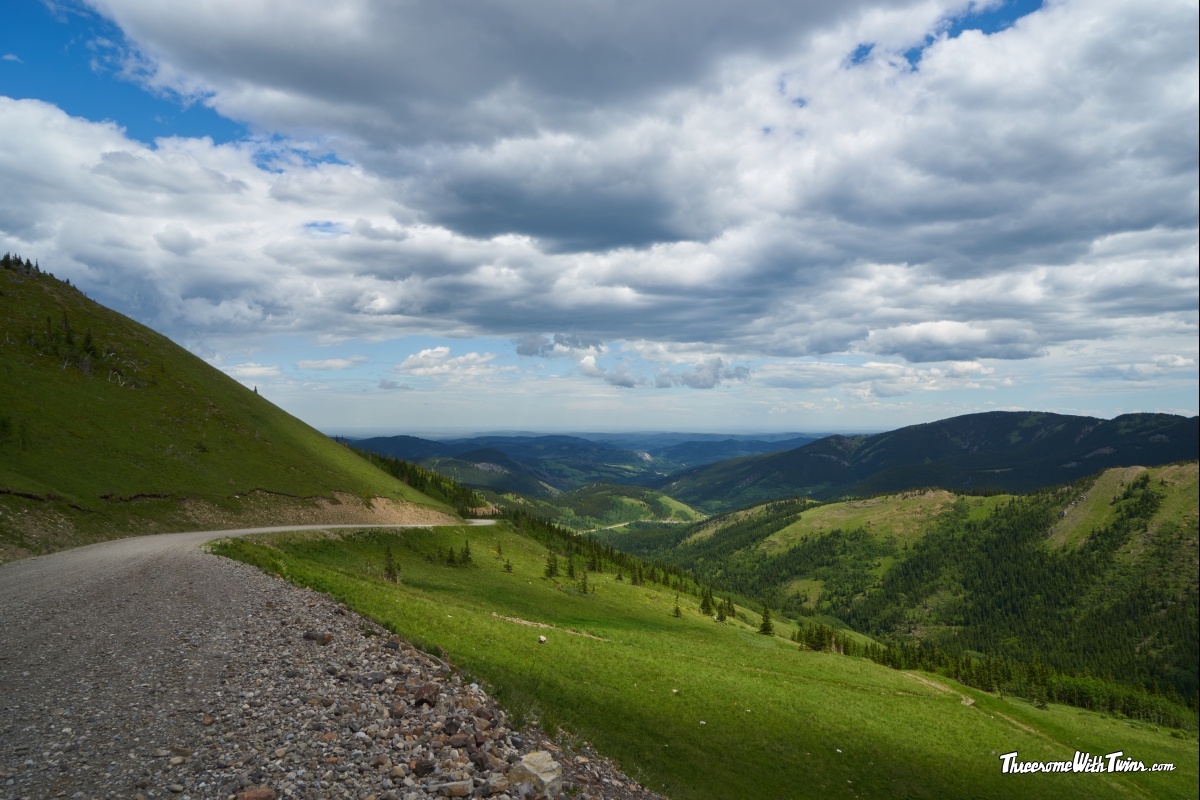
[[1013, 451]]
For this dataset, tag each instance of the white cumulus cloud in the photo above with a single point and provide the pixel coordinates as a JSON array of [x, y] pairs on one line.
[[717, 187]]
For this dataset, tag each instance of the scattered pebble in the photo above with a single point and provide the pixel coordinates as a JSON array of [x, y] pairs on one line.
[[205, 678]]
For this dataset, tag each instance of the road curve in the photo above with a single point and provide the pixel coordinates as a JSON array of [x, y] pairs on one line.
[[29, 578], [110, 648]]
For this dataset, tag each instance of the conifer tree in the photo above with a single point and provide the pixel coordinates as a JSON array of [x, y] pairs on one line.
[[766, 628], [678, 610], [720, 612], [389, 567], [465, 558], [583, 584], [551, 564], [508, 566], [706, 603], [571, 566]]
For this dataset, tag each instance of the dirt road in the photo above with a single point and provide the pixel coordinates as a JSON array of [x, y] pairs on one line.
[[114, 651]]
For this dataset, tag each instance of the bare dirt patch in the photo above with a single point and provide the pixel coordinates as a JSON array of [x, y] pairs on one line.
[[33, 526], [526, 622], [262, 508], [966, 700]]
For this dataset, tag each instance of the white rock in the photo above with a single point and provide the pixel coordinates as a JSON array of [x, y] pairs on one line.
[[540, 769]]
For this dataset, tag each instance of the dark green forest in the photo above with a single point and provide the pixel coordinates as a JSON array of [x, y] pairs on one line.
[[993, 587], [428, 482]]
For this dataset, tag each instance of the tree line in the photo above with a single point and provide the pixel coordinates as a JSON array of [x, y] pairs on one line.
[[433, 484], [994, 586]]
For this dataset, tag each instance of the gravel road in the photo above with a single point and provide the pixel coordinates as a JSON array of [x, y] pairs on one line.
[[144, 667]]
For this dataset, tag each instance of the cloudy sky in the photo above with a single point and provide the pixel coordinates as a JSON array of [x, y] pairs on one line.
[[613, 215]]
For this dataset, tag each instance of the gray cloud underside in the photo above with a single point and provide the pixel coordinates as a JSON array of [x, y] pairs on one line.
[[1011, 193], [384, 72]]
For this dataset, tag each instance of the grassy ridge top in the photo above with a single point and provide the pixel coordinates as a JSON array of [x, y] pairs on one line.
[[95, 407], [1095, 508], [904, 516]]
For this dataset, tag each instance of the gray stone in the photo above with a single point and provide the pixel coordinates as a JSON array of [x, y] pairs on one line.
[[456, 788], [539, 769]]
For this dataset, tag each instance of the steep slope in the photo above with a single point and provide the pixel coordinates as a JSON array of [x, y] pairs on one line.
[[104, 423], [1013, 451], [1117, 595]]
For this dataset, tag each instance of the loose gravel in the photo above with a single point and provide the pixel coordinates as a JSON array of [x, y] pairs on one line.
[[144, 668]]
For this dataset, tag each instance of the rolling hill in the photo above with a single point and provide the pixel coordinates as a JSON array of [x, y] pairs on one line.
[[1014, 451], [489, 468], [108, 428], [600, 505], [1039, 575]]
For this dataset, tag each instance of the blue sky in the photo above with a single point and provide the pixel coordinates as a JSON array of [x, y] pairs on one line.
[[72, 57], [773, 216]]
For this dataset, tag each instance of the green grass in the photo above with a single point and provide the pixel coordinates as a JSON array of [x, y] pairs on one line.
[[96, 409], [902, 516], [775, 718], [1096, 510], [600, 505]]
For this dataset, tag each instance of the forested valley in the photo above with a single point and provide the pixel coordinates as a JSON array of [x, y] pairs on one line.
[[984, 593]]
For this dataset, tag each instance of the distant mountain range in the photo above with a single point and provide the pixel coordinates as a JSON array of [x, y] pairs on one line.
[[1016, 451], [544, 465]]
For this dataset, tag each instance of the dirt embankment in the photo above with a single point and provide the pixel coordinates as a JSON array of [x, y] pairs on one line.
[[30, 526], [261, 508]]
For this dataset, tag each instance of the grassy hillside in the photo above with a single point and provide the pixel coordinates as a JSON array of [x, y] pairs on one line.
[[697, 709], [1027, 577], [1120, 599], [107, 422], [1012, 451], [600, 505]]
